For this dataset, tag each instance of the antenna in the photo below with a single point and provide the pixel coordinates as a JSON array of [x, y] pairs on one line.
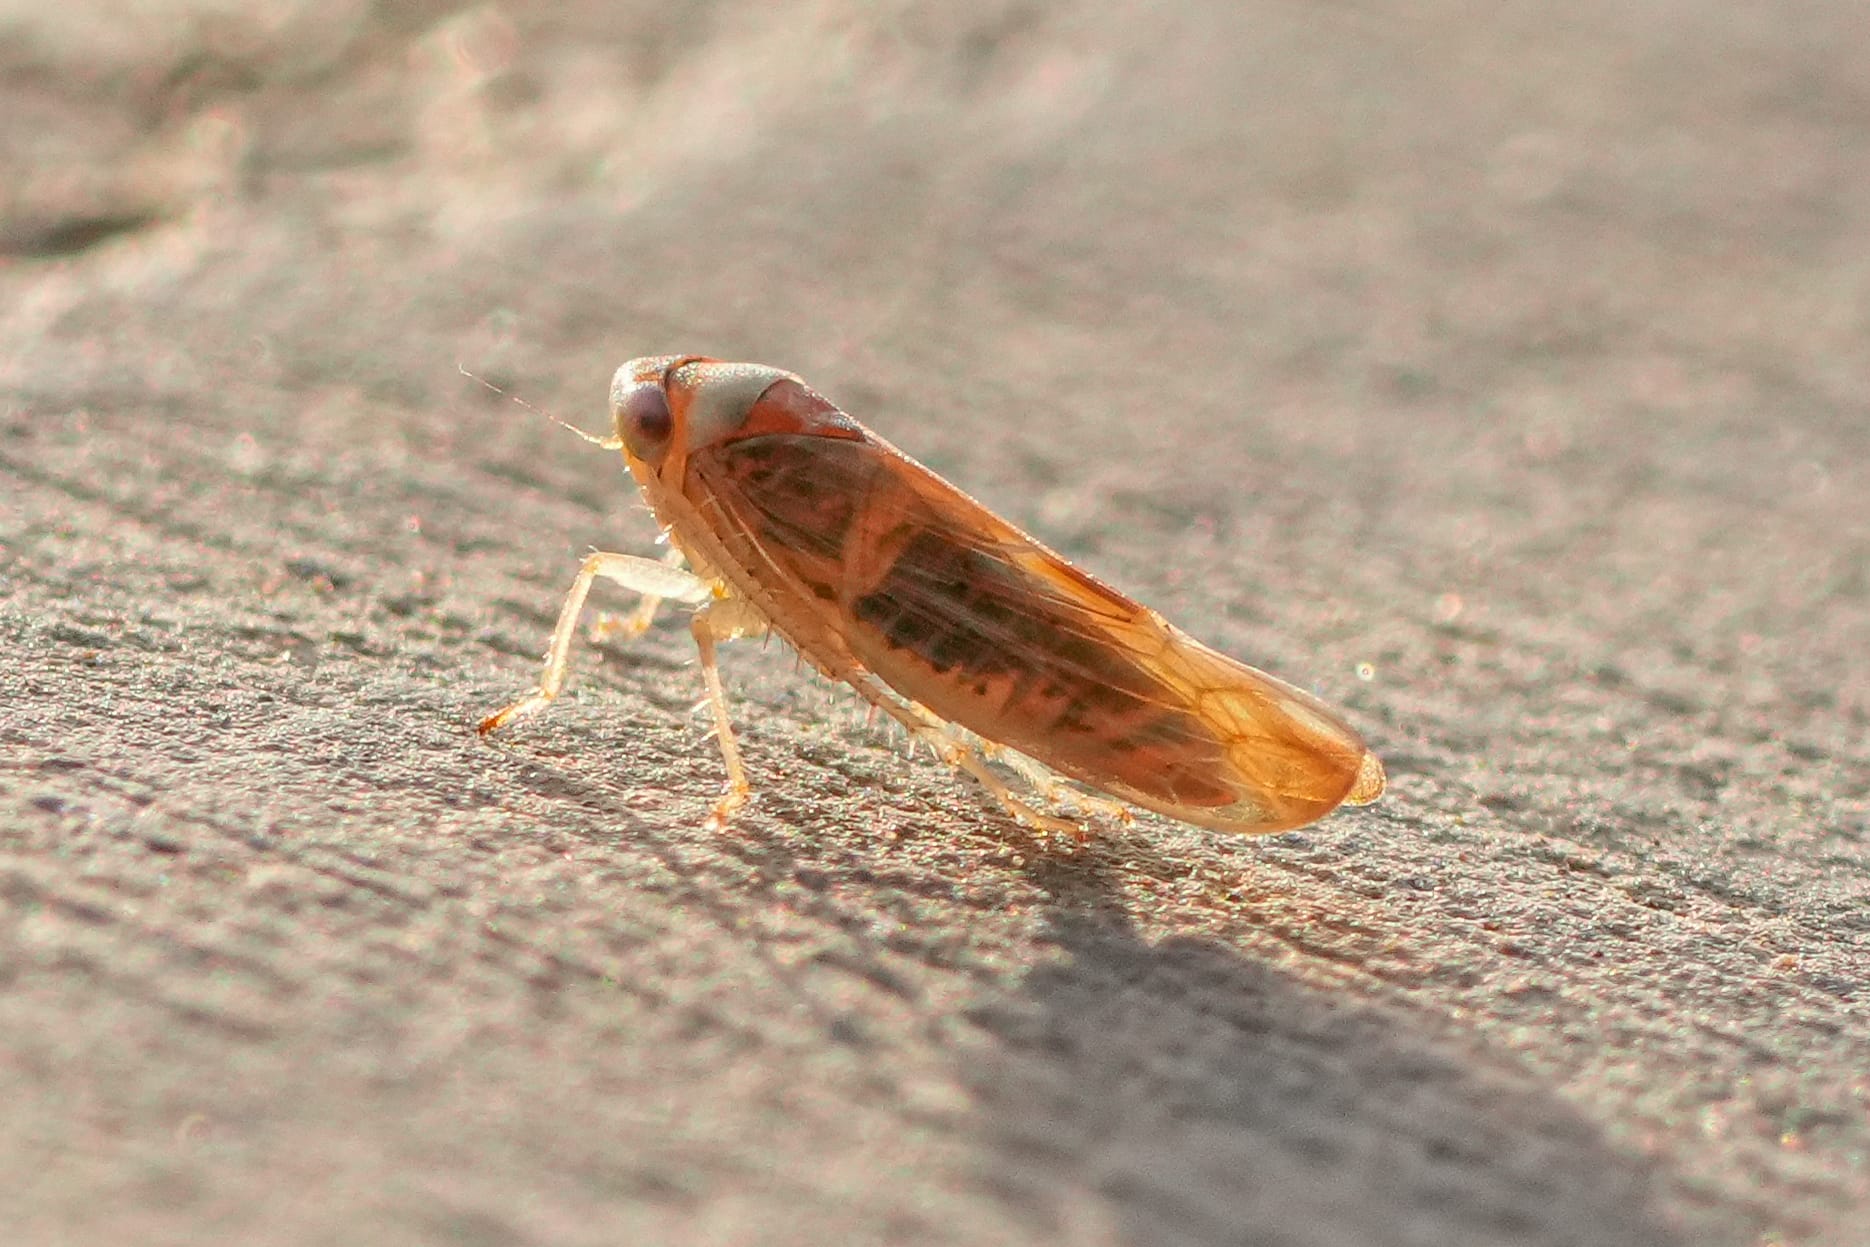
[[608, 443]]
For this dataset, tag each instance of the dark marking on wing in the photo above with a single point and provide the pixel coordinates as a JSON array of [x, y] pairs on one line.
[[808, 489], [954, 605], [1000, 640], [807, 493], [1024, 659]]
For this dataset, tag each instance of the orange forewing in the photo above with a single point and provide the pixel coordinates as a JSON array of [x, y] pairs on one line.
[[957, 610]]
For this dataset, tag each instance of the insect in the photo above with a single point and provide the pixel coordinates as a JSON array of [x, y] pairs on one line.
[[795, 519]]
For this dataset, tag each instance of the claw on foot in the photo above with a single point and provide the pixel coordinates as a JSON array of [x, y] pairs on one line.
[[725, 809], [500, 718]]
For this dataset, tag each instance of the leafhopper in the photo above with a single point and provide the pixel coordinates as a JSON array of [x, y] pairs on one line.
[[794, 519]]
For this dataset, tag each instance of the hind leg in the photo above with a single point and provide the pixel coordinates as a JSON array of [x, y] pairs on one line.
[[933, 732], [1053, 790]]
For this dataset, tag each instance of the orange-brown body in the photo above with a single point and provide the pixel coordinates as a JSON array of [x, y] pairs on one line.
[[887, 577]]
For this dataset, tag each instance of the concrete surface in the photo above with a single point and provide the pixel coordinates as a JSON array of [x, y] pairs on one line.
[[1499, 371]]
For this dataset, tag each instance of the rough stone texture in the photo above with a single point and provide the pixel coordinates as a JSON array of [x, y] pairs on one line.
[[1501, 371]]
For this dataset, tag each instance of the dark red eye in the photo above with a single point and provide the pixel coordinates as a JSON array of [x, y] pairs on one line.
[[645, 416]]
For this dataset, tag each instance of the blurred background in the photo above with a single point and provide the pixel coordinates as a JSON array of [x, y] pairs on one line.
[[1497, 371]]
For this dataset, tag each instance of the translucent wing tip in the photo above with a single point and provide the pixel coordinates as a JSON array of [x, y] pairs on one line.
[[1370, 781]]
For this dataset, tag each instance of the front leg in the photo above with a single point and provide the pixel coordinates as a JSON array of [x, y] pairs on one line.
[[637, 622], [650, 577]]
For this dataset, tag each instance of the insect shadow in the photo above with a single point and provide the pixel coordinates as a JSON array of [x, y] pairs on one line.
[[1182, 1091], [1156, 1090]]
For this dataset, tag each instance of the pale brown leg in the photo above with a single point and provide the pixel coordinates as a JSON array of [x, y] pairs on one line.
[[930, 730], [737, 787], [637, 622], [1055, 791], [650, 577], [958, 755]]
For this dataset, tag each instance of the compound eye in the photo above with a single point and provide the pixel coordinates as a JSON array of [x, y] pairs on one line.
[[644, 421]]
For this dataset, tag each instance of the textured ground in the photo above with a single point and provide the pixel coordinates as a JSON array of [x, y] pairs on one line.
[[1499, 371]]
